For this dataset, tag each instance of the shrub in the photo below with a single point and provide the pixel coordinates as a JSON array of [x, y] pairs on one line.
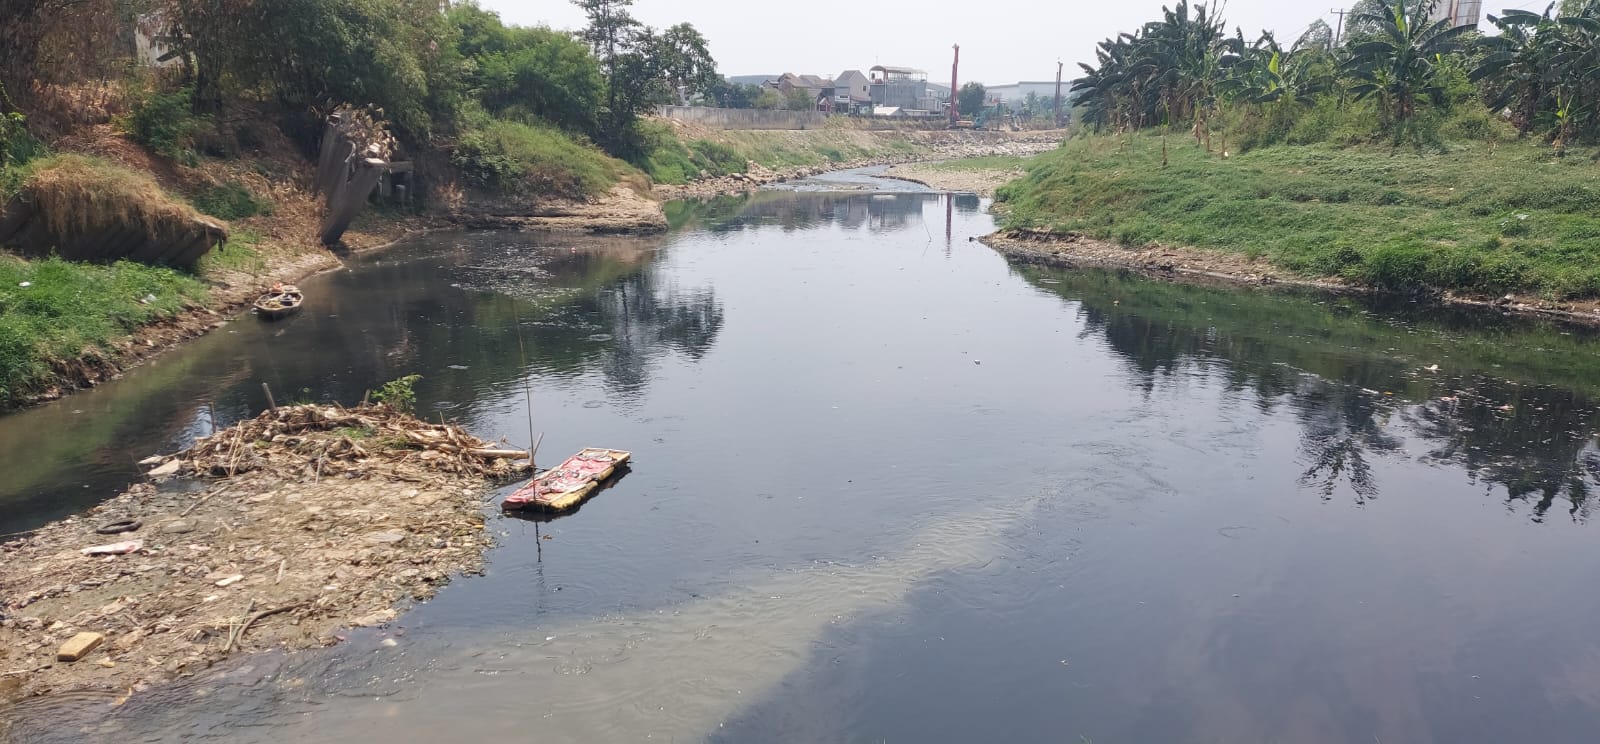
[[515, 158], [230, 201], [399, 394], [166, 123]]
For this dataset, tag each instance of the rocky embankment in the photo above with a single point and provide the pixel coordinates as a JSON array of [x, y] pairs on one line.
[[278, 532], [936, 146]]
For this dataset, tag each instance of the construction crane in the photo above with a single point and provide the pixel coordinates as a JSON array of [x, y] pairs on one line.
[[955, 109]]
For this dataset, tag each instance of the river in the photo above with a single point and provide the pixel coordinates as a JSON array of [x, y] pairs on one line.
[[889, 488]]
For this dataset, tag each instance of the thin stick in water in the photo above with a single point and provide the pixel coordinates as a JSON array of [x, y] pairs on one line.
[[527, 393]]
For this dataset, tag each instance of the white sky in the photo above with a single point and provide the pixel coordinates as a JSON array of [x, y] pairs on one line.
[[1002, 41]]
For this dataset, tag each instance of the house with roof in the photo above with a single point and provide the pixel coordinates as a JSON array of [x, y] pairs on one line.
[[820, 88], [852, 93]]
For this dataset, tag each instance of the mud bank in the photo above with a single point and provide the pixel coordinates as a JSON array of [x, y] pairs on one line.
[[275, 533], [1198, 265], [622, 212], [982, 182]]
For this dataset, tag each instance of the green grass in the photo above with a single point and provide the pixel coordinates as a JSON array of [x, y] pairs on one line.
[[516, 158], [230, 201], [71, 309], [1478, 217], [676, 162], [238, 254], [778, 149]]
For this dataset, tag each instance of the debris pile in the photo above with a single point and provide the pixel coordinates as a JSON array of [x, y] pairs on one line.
[[329, 441], [298, 523]]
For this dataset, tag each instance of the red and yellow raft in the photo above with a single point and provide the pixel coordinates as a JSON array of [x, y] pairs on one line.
[[568, 484]]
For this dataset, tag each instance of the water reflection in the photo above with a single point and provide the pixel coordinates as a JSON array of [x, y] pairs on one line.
[[474, 315], [800, 210], [873, 478], [1368, 378]]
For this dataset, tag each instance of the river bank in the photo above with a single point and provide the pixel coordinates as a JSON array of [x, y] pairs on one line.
[[279, 532], [1504, 223], [980, 175], [818, 150]]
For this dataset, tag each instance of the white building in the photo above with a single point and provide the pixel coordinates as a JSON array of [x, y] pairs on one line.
[[1459, 12], [1013, 94]]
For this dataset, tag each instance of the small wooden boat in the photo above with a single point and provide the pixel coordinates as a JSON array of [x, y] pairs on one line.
[[279, 302], [568, 484]]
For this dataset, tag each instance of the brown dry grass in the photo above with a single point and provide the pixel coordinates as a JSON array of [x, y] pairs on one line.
[[78, 194]]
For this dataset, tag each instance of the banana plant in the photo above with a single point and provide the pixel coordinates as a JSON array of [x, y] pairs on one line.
[[1398, 65]]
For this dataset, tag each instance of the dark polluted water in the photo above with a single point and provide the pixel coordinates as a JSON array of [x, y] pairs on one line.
[[888, 488]]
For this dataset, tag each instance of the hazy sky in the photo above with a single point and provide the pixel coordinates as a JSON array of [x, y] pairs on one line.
[[1002, 41]]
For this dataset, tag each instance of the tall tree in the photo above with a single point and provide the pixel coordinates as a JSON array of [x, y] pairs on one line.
[[612, 32], [972, 98], [685, 59]]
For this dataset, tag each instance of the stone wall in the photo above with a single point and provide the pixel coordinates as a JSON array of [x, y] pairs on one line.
[[720, 118]]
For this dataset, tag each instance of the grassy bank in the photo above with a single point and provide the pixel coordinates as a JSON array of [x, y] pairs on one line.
[[1480, 217], [682, 153], [55, 313]]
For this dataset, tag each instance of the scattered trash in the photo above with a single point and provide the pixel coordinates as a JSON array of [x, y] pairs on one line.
[[166, 470], [25, 284], [1432, 368], [79, 646], [118, 527], [275, 554], [121, 548]]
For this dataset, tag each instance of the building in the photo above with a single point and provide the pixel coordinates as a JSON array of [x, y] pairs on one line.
[[151, 44], [905, 88], [852, 93], [1013, 95], [1459, 12], [820, 88]]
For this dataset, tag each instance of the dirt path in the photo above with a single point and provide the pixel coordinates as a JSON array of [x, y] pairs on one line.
[[332, 518]]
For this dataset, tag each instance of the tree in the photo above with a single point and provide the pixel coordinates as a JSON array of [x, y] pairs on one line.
[[1520, 69], [728, 94], [769, 99], [641, 68], [971, 99], [800, 99], [685, 60], [1399, 64], [521, 72]]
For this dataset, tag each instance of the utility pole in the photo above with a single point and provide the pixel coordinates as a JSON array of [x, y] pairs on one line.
[[1059, 66], [1338, 35], [955, 113]]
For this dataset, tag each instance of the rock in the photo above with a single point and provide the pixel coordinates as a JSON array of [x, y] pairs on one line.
[[127, 641], [178, 527], [375, 619], [231, 580], [79, 646], [388, 537]]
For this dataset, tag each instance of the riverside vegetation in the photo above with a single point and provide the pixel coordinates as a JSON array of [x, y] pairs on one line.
[[487, 111], [1409, 156]]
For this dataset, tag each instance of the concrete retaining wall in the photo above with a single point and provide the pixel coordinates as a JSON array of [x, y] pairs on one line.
[[721, 118]]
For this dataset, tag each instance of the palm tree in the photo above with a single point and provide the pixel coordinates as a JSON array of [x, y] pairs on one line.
[[1399, 63]]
